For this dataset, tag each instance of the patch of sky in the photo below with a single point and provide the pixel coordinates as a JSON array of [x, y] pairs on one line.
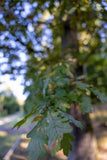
[[7, 5], [2, 37], [16, 64], [4, 66], [18, 6], [16, 12], [38, 55], [30, 27], [37, 47], [39, 39], [20, 47], [44, 26], [47, 4], [23, 14], [2, 59], [3, 21], [44, 38], [6, 33], [31, 36], [105, 26], [103, 35], [22, 56], [35, 18], [1, 54], [51, 46], [47, 38], [101, 31], [12, 43], [45, 55], [27, 9], [103, 40], [40, 14], [23, 71], [12, 22], [84, 25], [15, 86], [35, 4], [51, 17], [23, 39], [57, 3], [18, 34], [1, 15], [28, 82], [48, 32], [104, 3]]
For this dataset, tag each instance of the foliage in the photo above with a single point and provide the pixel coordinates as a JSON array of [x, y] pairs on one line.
[[52, 99], [6, 141], [52, 68], [9, 103]]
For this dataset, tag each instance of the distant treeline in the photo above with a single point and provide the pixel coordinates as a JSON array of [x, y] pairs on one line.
[[8, 103]]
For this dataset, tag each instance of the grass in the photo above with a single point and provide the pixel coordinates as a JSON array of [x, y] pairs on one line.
[[6, 142]]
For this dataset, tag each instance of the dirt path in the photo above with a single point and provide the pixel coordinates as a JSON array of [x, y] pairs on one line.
[[15, 130], [11, 118]]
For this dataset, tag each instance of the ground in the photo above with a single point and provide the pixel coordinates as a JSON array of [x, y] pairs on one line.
[[99, 119]]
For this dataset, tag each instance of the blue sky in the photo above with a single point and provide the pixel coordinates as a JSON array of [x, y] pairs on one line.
[[14, 85]]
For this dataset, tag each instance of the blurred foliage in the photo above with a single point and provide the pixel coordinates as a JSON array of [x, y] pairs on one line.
[[9, 104], [6, 141]]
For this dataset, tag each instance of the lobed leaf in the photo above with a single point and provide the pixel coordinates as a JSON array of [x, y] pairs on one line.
[[65, 143], [86, 105], [100, 96]]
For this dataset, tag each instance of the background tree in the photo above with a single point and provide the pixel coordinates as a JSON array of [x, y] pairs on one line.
[[62, 41], [1, 102], [9, 103]]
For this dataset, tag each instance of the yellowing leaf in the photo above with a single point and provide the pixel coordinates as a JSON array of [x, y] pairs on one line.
[[37, 118], [86, 1]]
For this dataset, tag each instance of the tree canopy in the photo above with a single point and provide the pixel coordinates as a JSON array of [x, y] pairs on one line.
[[38, 31], [8, 103]]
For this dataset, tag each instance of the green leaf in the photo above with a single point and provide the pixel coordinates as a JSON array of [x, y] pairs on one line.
[[65, 143], [40, 125], [36, 146], [72, 96], [100, 96], [37, 118], [86, 104], [71, 119], [81, 85], [45, 86], [39, 138], [20, 123], [81, 77], [56, 128], [60, 92]]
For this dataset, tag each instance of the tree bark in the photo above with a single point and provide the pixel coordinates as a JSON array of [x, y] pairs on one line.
[[84, 146]]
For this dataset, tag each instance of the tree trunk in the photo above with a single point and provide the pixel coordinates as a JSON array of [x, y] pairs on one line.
[[84, 146]]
